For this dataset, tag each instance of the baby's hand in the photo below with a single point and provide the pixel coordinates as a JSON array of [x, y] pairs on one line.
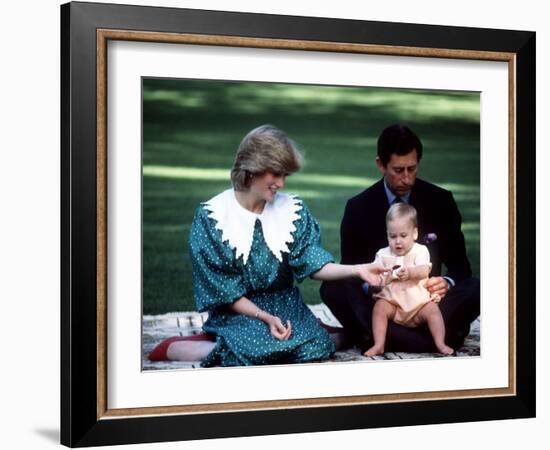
[[402, 274]]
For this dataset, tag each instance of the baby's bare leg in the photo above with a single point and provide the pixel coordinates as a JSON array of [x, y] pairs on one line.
[[382, 312], [431, 314]]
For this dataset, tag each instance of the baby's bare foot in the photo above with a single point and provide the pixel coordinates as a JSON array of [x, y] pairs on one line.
[[445, 349], [374, 350]]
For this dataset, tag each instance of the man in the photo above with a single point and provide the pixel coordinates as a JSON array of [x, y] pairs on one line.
[[363, 232]]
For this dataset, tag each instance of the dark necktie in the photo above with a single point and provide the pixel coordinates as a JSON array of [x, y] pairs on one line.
[[397, 200]]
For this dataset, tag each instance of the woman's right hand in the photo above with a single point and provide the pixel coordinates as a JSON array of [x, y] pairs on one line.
[[277, 328]]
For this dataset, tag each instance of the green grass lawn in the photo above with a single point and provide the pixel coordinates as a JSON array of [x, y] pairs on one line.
[[192, 128]]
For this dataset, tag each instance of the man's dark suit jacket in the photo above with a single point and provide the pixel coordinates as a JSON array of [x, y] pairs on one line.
[[363, 229]]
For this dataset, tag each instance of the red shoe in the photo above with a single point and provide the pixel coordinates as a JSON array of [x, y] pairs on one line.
[[159, 352]]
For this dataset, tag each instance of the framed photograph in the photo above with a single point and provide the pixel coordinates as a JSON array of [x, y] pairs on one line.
[[154, 103]]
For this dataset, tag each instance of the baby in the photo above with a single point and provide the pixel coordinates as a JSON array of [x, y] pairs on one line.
[[404, 297]]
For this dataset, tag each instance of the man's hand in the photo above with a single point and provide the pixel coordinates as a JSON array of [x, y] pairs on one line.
[[437, 286]]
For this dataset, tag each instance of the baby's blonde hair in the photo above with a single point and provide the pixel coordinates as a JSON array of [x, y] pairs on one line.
[[402, 210]]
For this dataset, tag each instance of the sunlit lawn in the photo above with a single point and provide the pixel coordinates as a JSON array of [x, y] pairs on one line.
[[192, 129]]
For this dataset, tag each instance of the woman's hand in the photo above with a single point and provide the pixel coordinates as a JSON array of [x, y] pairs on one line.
[[277, 329], [371, 273]]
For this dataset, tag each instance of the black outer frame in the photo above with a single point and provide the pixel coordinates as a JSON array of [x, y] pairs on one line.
[[79, 423]]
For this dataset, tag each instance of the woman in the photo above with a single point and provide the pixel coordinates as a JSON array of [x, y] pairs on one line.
[[248, 244]]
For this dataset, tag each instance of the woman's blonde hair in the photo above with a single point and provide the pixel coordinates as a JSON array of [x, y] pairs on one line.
[[264, 149], [402, 210]]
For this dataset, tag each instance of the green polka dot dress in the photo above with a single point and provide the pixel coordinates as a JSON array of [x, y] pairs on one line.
[[232, 257]]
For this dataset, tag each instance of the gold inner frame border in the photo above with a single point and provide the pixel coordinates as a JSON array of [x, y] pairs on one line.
[[103, 36]]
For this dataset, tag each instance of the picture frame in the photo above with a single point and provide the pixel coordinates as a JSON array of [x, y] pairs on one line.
[[86, 418]]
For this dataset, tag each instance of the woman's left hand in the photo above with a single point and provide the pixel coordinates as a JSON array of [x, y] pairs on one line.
[[277, 328], [371, 273]]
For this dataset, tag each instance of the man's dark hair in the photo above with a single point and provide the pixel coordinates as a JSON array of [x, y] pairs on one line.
[[397, 139]]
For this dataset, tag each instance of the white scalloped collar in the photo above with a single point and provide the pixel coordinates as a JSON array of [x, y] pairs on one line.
[[237, 223]]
